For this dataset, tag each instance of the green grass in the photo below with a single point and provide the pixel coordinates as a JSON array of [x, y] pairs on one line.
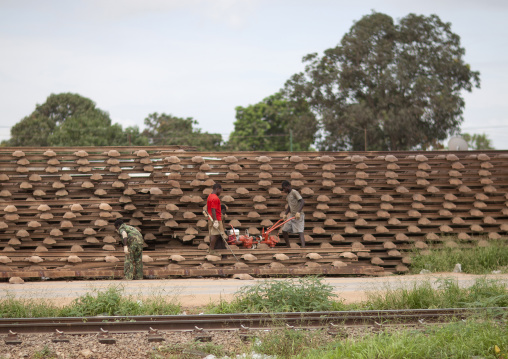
[[12, 307], [287, 343], [110, 301], [421, 295], [474, 337], [311, 294], [463, 339], [270, 296], [299, 295], [456, 340], [476, 260]]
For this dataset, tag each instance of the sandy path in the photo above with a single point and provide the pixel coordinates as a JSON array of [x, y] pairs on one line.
[[200, 292]]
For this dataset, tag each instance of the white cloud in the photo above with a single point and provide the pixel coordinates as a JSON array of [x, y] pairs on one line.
[[233, 13]]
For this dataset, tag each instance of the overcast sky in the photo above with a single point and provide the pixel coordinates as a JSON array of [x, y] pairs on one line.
[[202, 58]]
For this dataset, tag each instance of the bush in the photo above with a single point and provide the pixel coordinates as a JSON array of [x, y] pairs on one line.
[[102, 303], [299, 295]]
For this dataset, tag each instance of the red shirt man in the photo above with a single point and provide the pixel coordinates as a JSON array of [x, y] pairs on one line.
[[215, 227], [213, 202]]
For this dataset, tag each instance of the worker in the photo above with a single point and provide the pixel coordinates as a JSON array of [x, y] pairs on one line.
[[215, 226], [133, 248], [221, 244], [294, 207]]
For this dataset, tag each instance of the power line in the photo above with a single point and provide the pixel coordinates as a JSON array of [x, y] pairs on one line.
[[484, 127]]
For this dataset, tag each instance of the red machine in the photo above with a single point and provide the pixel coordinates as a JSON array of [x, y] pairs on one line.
[[249, 242], [241, 240]]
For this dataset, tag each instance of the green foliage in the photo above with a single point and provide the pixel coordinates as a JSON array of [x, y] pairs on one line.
[[475, 260], [32, 130], [170, 130], [310, 294], [299, 295], [45, 353], [71, 120], [12, 307], [86, 130], [132, 137], [394, 86], [287, 343], [465, 340], [36, 129], [477, 141], [266, 126], [448, 294], [99, 303], [110, 301]]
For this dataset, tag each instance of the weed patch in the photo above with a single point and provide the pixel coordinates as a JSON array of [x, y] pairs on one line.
[[12, 307], [311, 294], [448, 294], [287, 343], [44, 353], [111, 301], [300, 295], [456, 340], [477, 260]]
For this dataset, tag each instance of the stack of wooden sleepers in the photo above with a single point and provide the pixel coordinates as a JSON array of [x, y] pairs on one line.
[[364, 211]]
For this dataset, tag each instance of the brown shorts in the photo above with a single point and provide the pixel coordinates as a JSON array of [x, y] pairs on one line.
[[213, 231], [295, 225]]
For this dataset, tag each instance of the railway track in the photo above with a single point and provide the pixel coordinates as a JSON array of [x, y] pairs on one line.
[[175, 323]]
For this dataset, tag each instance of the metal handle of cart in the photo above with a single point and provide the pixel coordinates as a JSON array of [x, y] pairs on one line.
[[277, 225]]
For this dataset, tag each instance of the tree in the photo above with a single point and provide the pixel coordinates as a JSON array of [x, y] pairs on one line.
[[272, 124], [132, 137], [71, 120], [392, 86], [35, 129], [478, 142], [95, 130], [170, 130]]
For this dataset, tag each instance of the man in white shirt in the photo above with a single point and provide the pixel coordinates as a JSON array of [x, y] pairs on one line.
[[295, 206]]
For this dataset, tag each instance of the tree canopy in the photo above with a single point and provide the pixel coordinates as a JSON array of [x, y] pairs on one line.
[[272, 124], [392, 86], [478, 141], [170, 130], [71, 120], [95, 131]]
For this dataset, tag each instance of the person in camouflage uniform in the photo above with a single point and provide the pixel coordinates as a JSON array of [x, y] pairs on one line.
[[133, 248]]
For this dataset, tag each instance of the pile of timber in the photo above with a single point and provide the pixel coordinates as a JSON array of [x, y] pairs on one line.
[[363, 210]]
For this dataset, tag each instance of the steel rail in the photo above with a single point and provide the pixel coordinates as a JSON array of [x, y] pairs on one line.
[[127, 324]]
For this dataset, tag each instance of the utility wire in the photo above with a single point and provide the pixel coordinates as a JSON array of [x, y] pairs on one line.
[[483, 128]]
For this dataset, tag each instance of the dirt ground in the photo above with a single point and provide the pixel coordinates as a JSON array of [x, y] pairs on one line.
[[192, 293]]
